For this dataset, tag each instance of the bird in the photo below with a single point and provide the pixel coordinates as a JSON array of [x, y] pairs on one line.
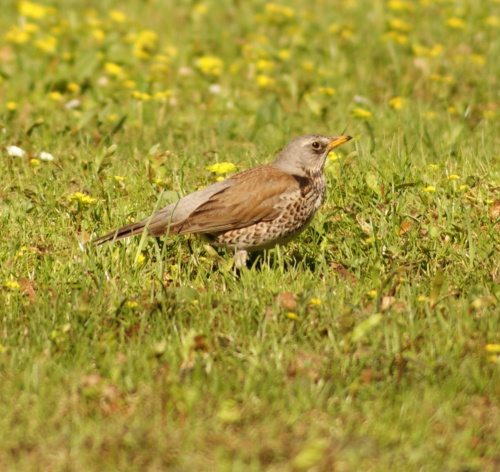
[[253, 210]]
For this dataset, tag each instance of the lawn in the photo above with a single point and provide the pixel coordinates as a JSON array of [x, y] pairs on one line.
[[370, 343]]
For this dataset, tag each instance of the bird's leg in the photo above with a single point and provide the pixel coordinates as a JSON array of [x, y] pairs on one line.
[[240, 258]]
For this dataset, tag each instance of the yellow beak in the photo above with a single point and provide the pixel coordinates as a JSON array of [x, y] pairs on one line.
[[338, 141]]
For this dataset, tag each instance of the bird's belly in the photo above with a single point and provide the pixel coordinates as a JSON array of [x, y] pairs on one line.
[[267, 234]]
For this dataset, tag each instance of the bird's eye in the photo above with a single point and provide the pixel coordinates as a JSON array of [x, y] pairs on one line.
[[316, 145]]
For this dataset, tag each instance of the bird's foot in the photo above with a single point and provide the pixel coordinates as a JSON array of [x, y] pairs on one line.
[[240, 258]]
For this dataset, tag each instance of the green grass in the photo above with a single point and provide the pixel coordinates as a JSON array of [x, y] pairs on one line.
[[366, 344]]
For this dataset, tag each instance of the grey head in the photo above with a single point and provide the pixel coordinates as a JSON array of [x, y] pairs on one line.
[[305, 156]]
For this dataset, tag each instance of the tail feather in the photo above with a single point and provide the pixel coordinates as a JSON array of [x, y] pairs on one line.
[[156, 225], [121, 233]]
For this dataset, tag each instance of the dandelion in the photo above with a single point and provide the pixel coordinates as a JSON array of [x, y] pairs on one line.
[[493, 21], [117, 16], [141, 259], [17, 35], [327, 91], [12, 285], [98, 34], [455, 23], [35, 162], [141, 96], [399, 5], [291, 315], [113, 69], [264, 64], [477, 59], [56, 96], [222, 167], [47, 44], [397, 103], [453, 177], [423, 298], [73, 87], [400, 25], [433, 166], [265, 81], [429, 189], [145, 43], [33, 10], [81, 198], [284, 54], [493, 348], [46, 156], [362, 113], [315, 302], [210, 65], [131, 304], [308, 66], [11, 106], [372, 293], [15, 151], [463, 187], [129, 84]]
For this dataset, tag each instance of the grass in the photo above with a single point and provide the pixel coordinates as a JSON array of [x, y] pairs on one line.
[[369, 343]]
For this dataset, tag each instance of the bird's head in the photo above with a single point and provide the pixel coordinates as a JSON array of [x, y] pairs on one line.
[[306, 155]]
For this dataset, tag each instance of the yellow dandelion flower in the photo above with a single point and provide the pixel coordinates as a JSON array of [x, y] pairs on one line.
[[478, 59], [455, 23], [210, 65], [33, 10], [397, 103], [129, 84], [362, 113], [113, 69], [12, 285], [141, 259], [284, 54], [372, 293], [17, 35], [291, 315], [277, 13], [489, 113], [34, 162], [399, 5], [31, 28], [56, 96], [117, 16], [264, 64], [73, 87], [145, 43], [399, 25], [429, 189], [395, 36], [11, 106], [493, 359], [423, 298], [264, 81], [308, 66], [200, 9], [493, 21], [492, 348], [433, 166], [453, 177], [452, 110], [131, 304], [98, 34], [47, 44], [327, 91], [315, 301], [81, 198], [222, 167]]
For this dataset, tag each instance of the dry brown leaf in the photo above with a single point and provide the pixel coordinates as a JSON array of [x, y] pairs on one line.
[[286, 300]]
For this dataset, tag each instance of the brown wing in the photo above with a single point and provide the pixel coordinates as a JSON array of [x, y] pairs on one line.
[[254, 197]]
